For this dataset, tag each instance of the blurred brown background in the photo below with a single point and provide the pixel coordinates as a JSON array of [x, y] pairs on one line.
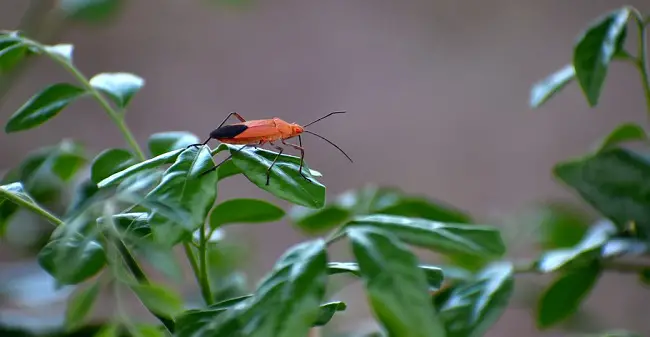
[[437, 93]]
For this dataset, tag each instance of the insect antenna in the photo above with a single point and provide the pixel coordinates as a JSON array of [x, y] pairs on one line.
[[327, 140], [329, 114]]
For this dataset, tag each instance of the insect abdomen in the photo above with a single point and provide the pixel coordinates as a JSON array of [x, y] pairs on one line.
[[228, 131]]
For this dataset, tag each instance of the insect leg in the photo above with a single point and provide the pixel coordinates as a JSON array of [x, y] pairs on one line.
[[302, 155], [216, 166], [238, 116], [268, 171]]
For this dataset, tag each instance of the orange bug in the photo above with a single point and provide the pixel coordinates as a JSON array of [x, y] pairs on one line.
[[261, 131]]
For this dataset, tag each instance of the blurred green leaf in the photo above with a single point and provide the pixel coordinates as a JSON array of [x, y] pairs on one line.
[[81, 195], [120, 87], [560, 225], [285, 181], [161, 300], [8, 207], [165, 158], [369, 200], [285, 304], [564, 296], [43, 106], [396, 288], [91, 10], [63, 51], [163, 142], [588, 249], [434, 275], [80, 306], [472, 307], [244, 211], [614, 182], [148, 330], [182, 188], [543, 90], [12, 51], [72, 259], [596, 49], [327, 311], [625, 132], [109, 162], [477, 240], [162, 258], [132, 224]]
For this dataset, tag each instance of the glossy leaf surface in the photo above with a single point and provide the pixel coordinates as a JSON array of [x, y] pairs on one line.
[[543, 90], [110, 161], [244, 211], [434, 275], [72, 259], [396, 288], [43, 106], [165, 158], [120, 87]]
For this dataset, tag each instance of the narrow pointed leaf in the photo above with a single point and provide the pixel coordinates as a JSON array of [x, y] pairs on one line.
[[564, 296], [396, 288], [80, 306], [43, 106], [434, 275], [472, 307], [110, 161], [72, 259], [476, 240], [285, 181], [165, 158], [244, 211], [615, 182], [163, 142], [327, 311], [588, 249], [625, 132], [543, 90], [596, 49]]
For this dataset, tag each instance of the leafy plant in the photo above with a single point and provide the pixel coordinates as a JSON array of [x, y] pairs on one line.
[[137, 205]]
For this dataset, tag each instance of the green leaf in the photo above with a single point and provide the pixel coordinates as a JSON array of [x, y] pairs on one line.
[[244, 211], [43, 106], [472, 307], [162, 142], [159, 299], [72, 259], [120, 87], [327, 311], [476, 240], [108, 330], [157, 161], [287, 301], [371, 200], [91, 10], [83, 194], [12, 51], [543, 90], [133, 224], [285, 180], [560, 225], [80, 306], [396, 288], [588, 249], [595, 50], [434, 275], [63, 51], [109, 162], [564, 296], [182, 188], [625, 132], [8, 207], [614, 182]]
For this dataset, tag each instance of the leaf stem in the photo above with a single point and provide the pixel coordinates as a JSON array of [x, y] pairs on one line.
[[32, 206], [204, 280], [114, 115]]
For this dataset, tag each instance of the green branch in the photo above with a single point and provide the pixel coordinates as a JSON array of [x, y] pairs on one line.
[[32, 206]]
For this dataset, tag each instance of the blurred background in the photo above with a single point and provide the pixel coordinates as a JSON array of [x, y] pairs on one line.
[[437, 94]]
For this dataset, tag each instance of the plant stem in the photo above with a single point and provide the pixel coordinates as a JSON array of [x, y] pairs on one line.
[[204, 280], [114, 115], [32, 206]]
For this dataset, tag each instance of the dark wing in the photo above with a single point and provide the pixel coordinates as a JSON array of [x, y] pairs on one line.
[[228, 131]]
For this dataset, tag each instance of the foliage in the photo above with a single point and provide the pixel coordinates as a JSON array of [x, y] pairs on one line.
[[136, 207]]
